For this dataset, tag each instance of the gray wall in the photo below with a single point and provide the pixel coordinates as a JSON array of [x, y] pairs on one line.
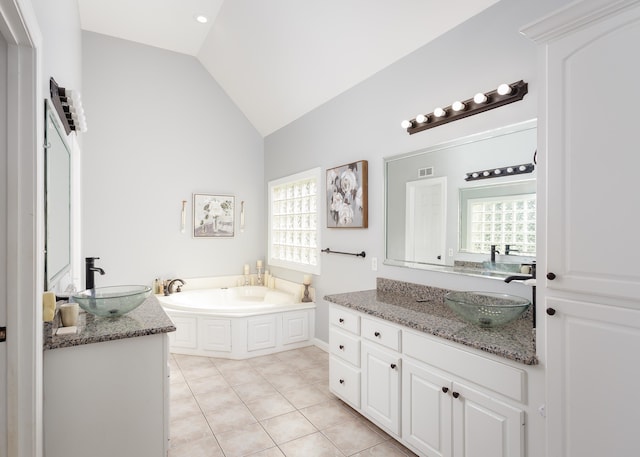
[[364, 123], [159, 129]]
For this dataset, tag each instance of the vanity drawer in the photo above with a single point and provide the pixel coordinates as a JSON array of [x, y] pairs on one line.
[[382, 333], [344, 319], [499, 377], [344, 381], [345, 346]]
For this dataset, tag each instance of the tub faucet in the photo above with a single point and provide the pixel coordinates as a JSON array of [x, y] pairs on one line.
[[89, 272], [168, 290]]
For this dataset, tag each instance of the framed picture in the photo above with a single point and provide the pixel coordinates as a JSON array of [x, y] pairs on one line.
[[213, 216], [347, 196]]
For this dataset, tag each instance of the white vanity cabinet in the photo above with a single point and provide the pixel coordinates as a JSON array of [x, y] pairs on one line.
[[107, 399], [434, 397], [588, 168]]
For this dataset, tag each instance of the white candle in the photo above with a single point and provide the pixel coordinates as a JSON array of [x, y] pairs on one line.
[[306, 280], [259, 264], [246, 268]]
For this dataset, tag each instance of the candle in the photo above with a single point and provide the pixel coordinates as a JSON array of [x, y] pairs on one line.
[[306, 280], [246, 268], [259, 264]]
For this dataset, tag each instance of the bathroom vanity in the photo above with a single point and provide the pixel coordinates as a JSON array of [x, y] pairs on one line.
[[106, 388], [434, 382]]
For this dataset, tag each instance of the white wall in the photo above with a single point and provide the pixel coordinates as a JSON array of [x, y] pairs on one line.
[[160, 129], [364, 123]]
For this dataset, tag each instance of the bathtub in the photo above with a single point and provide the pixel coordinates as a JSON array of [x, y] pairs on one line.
[[238, 322]]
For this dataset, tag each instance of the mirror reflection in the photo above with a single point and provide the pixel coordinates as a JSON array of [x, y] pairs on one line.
[[57, 200], [436, 219]]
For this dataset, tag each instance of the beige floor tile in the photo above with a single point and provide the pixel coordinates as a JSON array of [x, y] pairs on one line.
[[286, 381], [386, 449], [314, 445], [219, 399], [316, 374], [254, 390], [271, 452], [183, 407], [303, 397], [206, 447], [270, 406], [230, 418], [280, 367], [203, 385], [241, 376], [195, 372], [352, 436], [264, 361], [180, 390], [288, 427], [327, 414], [189, 429], [192, 361], [231, 365], [244, 441]]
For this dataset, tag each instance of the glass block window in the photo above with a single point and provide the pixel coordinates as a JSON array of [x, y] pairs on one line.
[[294, 233], [503, 220]]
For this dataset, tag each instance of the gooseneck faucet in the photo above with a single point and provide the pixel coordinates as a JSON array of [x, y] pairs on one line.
[[508, 279], [494, 251], [89, 272], [168, 290]]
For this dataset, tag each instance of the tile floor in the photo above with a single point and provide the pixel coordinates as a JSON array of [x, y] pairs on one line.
[[270, 406]]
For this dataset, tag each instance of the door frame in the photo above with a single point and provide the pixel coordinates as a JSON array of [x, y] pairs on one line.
[[25, 228]]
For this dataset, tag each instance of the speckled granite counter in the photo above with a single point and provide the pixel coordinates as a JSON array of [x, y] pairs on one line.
[[395, 301], [147, 319]]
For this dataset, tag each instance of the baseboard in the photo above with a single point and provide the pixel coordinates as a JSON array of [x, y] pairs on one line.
[[321, 344]]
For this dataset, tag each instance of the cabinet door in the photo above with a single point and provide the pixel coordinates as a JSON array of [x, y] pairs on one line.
[[592, 379], [186, 334], [295, 327], [484, 426], [261, 333], [215, 334], [381, 387], [426, 410], [591, 151]]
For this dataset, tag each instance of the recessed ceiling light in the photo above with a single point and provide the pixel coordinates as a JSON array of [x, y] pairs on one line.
[[202, 19]]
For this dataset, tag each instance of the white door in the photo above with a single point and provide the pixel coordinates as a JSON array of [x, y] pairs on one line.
[[3, 245], [426, 410], [592, 374], [381, 387], [592, 169], [484, 426], [426, 219]]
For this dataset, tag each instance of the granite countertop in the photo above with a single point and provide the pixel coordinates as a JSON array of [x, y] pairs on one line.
[[514, 341], [147, 319]]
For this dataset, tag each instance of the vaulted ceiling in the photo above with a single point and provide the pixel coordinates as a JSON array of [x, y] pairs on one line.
[[279, 59]]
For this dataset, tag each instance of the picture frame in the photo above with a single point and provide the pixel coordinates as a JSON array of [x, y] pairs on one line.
[[213, 216], [347, 195]]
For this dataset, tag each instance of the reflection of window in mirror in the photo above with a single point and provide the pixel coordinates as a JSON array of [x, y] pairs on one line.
[[500, 215]]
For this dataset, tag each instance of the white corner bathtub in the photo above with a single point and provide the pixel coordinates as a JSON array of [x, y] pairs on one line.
[[238, 322]]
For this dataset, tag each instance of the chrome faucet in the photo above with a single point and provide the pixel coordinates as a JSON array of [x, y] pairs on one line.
[[89, 272], [508, 279], [168, 290]]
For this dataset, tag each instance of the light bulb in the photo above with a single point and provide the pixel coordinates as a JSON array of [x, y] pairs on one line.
[[439, 112], [522, 168], [406, 124], [480, 98], [202, 19], [458, 106], [475, 175], [485, 173], [510, 170], [504, 89], [497, 171], [421, 118]]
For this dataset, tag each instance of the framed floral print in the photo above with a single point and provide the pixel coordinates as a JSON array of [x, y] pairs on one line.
[[213, 216], [347, 196]]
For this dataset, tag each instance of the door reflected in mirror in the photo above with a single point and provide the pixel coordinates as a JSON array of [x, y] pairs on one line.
[[435, 219]]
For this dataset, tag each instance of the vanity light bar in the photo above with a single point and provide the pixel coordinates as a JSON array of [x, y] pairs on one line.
[[503, 95], [499, 172], [68, 105]]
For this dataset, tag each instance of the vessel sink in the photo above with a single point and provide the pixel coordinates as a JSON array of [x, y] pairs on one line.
[[486, 309], [112, 301]]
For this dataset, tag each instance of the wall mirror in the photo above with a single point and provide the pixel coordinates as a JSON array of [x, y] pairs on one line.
[[436, 219], [57, 199]]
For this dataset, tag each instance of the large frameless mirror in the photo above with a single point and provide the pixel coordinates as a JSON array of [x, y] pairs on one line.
[[57, 199], [439, 214]]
